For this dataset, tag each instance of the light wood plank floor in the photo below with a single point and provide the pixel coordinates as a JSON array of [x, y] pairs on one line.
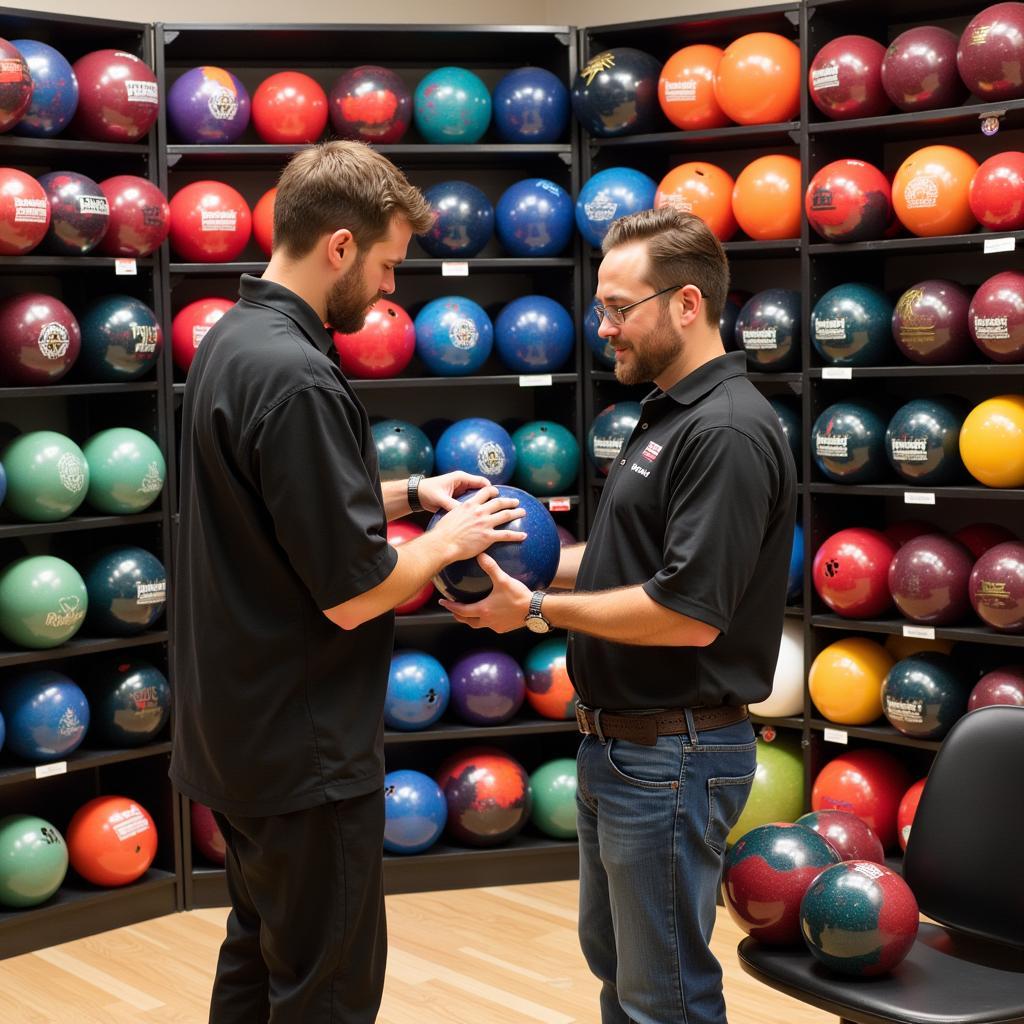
[[504, 955]]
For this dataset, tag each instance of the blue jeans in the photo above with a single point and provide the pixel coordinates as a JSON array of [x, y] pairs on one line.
[[652, 827]]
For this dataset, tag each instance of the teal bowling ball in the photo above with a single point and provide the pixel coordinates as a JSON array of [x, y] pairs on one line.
[[121, 340], [43, 602], [451, 105], [402, 450], [922, 440], [547, 458], [127, 591], [126, 471], [33, 860], [924, 695], [130, 703], [848, 443], [47, 476], [851, 325], [553, 798]]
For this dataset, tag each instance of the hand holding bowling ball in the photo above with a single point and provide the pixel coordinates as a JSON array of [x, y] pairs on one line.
[[474, 522]]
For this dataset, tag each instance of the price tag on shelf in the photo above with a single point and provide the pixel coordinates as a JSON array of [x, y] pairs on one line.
[[559, 504], [1000, 245], [125, 268], [919, 632], [918, 497], [836, 736], [535, 380], [44, 771], [455, 268], [837, 373]]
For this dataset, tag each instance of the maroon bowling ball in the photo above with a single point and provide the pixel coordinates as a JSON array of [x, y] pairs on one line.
[[919, 69], [15, 86], [996, 195], [79, 213], [845, 79], [979, 537], [140, 216], [990, 55], [1000, 686], [24, 212], [118, 97], [996, 317], [39, 339], [852, 837], [207, 838], [997, 587], [907, 529], [929, 323], [928, 579]]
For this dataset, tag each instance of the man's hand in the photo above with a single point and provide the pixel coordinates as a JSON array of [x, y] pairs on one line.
[[440, 492], [473, 525], [502, 610]]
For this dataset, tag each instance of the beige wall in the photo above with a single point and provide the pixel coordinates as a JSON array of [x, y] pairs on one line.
[[612, 12]]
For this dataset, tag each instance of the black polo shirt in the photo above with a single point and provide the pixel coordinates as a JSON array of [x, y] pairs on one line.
[[699, 509], [276, 709]]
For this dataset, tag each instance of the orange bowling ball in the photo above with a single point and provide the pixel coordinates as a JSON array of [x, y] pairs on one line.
[[766, 197], [686, 88], [931, 191], [845, 681], [263, 221], [758, 79], [111, 840], [702, 189]]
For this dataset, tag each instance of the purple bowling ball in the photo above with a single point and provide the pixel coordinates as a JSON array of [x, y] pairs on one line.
[[919, 69], [487, 687], [928, 580], [208, 105], [930, 323], [1000, 686], [79, 213]]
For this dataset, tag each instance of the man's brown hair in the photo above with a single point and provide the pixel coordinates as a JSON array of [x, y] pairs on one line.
[[343, 185]]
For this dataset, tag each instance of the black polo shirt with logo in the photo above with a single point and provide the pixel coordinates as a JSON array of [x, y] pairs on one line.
[[699, 509], [276, 708]]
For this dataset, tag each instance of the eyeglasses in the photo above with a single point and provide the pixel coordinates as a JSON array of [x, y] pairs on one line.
[[617, 314]]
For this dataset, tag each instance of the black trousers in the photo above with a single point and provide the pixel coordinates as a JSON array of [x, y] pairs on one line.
[[306, 938]]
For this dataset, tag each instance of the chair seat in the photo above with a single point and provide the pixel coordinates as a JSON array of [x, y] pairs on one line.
[[946, 979]]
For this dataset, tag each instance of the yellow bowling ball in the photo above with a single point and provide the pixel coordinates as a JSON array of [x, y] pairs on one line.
[[846, 680], [992, 441]]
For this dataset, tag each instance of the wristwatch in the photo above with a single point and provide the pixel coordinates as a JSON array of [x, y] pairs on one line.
[[413, 493], [535, 622]]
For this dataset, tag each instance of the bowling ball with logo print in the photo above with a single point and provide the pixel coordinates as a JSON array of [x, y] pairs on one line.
[[127, 589], [79, 213], [121, 339], [849, 201], [130, 702], [39, 339]]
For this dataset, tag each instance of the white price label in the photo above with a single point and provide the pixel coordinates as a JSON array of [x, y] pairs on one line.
[[559, 504], [919, 632], [535, 380], [125, 268], [837, 373], [918, 497], [1000, 245], [455, 268], [44, 771], [836, 736]]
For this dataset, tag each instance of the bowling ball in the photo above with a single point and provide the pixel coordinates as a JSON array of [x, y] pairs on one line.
[[289, 108], [766, 198], [127, 589], [549, 691], [547, 458], [922, 440], [24, 212], [758, 79], [126, 471], [997, 587], [608, 195], [849, 201], [848, 443], [553, 790], [1000, 686], [479, 446], [130, 703], [929, 323], [734, 302], [207, 839], [43, 602], [795, 579], [418, 691], [208, 105], [930, 191], [534, 217], [17, 87], [534, 334], [908, 810], [40, 339], [850, 572], [463, 220], [118, 97], [996, 317], [566, 538], [603, 351], [140, 216], [191, 324], [845, 78], [919, 69], [979, 537], [768, 328], [54, 91], [451, 105], [852, 839], [907, 529], [789, 419], [609, 432], [777, 793], [533, 561], [616, 93], [398, 533], [370, 104], [383, 347], [33, 860], [845, 681], [992, 441], [904, 646], [121, 340], [787, 696], [210, 222], [765, 877], [79, 213], [851, 325], [990, 55], [263, 221], [415, 812], [45, 713], [112, 841], [488, 687], [996, 195], [402, 450], [488, 796], [928, 580], [703, 189], [454, 336], [686, 88], [530, 105], [47, 476], [923, 695]]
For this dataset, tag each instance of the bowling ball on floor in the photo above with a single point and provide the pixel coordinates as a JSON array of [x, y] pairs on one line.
[[54, 91], [549, 691], [996, 317], [996, 195], [43, 602], [415, 812], [399, 532], [130, 703], [992, 441], [79, 213], [534, 334], [127, 589], [210, 222], [370, 104], [608, 195], [126, 471], [929, 323], [289, 108], [191, 324], [402, 450], [33, 860], [766, 198], [928, 580], [451, 105], [768, 329], [850, 572], [922, 440], [121, 340], [930, 191], [40, 339], [24, 212], [208, 105], [997, 587], [609, 433], [118, 97], [530, 105], [849, 201], [686, 88], [845, 681], [1000, 686], [383, 347], [908, 811], [547, 458], [852, 839], [46, 715], [478, 446], [553, 789], [923, 695], [454, 336], [487, 687], [535, 217], [207, 839], [140, 216], [47, 476], [17, 88], [703, 189], [418, 691], [112, 840], [616, 93], [463, 220], [848, 443], [758, 79], [919, 69], [990, 55], [777, 793], [787, 696], [488, 796], [851, 325], [845, 79]]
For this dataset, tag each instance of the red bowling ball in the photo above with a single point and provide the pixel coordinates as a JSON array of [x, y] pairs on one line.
[[996, 317], [1000, 686], [140, 217], [845, 78], [997, 587], [919, 69], [15, 86], [996, 195], [851, 837], [990, 56], [850, 572], [39, 339], [849, 201], [398, 534], [263, 221], [210, 222], [112, 840], [383, 347], [928, 580], [118, 97], [907, 810], [289, 108], [24, 212], [979, 537], [207, 838], [191, 324]]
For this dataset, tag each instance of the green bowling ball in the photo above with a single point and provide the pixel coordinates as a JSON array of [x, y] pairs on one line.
[[778, 790], [402, 449], [43, 602], [553, 791], [47, 476], [547, 458], [126, 471], [33, 860]]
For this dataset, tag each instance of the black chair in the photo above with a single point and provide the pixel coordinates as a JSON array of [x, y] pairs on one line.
[[965, 864]]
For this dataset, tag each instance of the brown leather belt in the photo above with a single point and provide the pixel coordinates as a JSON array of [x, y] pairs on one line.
[[646, 727]]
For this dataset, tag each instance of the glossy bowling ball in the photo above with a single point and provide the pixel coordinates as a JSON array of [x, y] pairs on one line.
[[850, 572], [129, 701], [263, 221], [126, 471], [127, 589], [608, 195], [534, 217], [845, 78], [851, 325], [777, 793], [996, 317], [488, 796], [33, 860], [1003, 685], [996, 195], [768, 329], [547, 458], [787, 696], [686, 88], [370, 104], [402, 450], [418, 691], [930, 325], [919, 69], [399, 532], [454, 336], [849, 201], [788, 413], [992, 441], [383, 347], [609, 432], [616, 93], [530, 105], [415, 812], [121, 340], [553, 789], [289, 108], [795, 579], [549, 691], [43, 602], [758, 79], [118, 97], [112, 840], [703, 189], [17, 87], [47, 476], [463, 220], [191, 324], [997, 587], [54, 91], [979, 537], [140, 216], [534, 334], [451, 105], [79, 213], [923, 695], [477, 445], [487, 687], [848, 443], [208, 105], [45, 713], [24, 212], [210, 222], [930, 192], [40, 339], [766, 198], [845, 681], [207, 838], [908, 811], [928, 580], [922, 440], [601, 350], [990, 55], [734, 302], [852, 839]]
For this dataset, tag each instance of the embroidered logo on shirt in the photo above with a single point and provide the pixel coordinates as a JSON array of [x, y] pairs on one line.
[[651, 452]]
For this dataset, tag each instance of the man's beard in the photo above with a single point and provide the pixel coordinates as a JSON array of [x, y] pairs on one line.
[[652, 354], [348, 303]]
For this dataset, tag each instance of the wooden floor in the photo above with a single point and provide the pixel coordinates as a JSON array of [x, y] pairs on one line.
[[504, 955]]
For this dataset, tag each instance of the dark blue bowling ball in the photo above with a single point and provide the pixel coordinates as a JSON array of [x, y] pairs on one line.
[[610, 431], [418, 691], [601, 349], [530, 105], [616, 93], [547, 458], [54, 90], [533, 561], [535, 218], [435, 428], [788, 412], [127, 588], [608, 195], [46, 715], [476, 445], [488, 687], [130, 702], [923, 695], [534, 334], [848, 443], [121, 340], [795, 581], [415, 812], [402, 449], [454, 336], [922, 440], [851, 325], [463, 220], [727, 322], [79, 213], [768, 330]]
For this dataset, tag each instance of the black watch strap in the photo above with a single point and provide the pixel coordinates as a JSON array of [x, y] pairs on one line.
[[413, 492]]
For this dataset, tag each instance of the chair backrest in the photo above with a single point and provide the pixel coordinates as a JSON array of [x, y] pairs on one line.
[[963, 859]]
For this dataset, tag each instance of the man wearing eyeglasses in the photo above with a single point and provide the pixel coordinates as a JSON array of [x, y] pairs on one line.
[[675, 620]]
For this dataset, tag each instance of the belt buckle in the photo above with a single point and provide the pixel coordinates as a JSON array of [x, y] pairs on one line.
[[581, 719]]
